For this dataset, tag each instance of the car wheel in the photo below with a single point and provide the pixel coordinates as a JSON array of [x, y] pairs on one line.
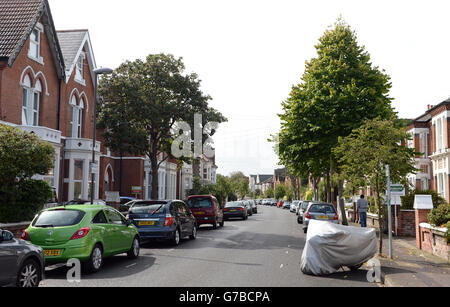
[[222, 223], [95, 260], [133, 253], [29, 274], [193, 236], [176, 238], [214, 225], [305, 230]]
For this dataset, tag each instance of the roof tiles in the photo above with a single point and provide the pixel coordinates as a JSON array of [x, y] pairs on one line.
[[16, 18]]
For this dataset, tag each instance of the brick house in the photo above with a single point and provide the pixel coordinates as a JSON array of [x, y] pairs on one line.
[[431, 135], [47, 87], [32, 74]]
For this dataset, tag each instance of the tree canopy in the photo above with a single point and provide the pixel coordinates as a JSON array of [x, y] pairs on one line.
[[340, 90], [143, 100]]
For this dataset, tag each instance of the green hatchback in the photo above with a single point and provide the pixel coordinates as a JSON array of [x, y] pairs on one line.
[[88, 233]]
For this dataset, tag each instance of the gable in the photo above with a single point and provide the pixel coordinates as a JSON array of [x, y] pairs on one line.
[[18, 18]]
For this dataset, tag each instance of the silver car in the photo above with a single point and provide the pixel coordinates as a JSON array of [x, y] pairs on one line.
[[319, 211], [248, 205], [301, 210], [21, 263]]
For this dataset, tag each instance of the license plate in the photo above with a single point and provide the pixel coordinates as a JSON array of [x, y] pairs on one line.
[[233, 210], [201, 212], [322, 217], [146, 223], [52, 252]]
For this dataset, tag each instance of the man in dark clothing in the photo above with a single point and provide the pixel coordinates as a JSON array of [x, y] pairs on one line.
[[361, 207]]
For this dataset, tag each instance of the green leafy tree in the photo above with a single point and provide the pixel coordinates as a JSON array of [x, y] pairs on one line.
[[22, 156], [151, 96], [240, 184], [280, 191], [223, 189], [339, 92], [364, 154], [269, 193]]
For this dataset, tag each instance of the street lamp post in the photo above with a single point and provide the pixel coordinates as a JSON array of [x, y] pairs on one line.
[[99, 71]]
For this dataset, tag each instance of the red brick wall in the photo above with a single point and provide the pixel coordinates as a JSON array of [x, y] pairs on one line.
[[421, 216], [11, 91], [88, 112], [434, 243], [407, 223]]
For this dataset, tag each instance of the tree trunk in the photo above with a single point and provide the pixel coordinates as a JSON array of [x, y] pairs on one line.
[[328, 188], [120, 176], [341, 203], [316, 189], [155, 179], [332, 186]]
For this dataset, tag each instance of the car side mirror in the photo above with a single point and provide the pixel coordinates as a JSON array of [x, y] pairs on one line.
[[128, 222]]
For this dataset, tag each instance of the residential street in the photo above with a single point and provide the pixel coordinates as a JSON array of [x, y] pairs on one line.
[[263, 251]]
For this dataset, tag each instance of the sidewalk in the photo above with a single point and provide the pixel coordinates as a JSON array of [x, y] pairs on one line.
[[411, 267]]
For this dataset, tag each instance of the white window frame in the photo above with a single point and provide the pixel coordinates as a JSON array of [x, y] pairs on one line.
[[76, 118], [79, 69], [31, 100], [37, 56]]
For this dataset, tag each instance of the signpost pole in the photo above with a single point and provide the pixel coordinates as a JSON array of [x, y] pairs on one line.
[[389, 210]]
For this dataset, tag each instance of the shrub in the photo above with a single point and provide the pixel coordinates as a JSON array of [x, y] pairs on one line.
[[440, 215], [22, 202], [408, 200], [309, 195], [23, 155]]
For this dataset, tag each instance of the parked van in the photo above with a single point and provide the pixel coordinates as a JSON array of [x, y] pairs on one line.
[[206, 210]]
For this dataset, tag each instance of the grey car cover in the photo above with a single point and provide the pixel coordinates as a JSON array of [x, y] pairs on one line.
[[331, 246]]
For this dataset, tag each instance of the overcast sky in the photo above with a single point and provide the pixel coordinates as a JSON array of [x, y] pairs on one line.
[[248, 54]]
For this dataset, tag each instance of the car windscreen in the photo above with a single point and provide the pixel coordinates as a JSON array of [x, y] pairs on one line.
[[305, 205], [199, 202], [319, 208], [234, 204], [58, 218], [148, 207]]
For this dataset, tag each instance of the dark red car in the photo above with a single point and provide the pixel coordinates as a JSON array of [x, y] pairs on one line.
[[206, 210]]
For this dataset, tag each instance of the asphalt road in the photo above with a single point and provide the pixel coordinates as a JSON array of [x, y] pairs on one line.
[[263, 251]]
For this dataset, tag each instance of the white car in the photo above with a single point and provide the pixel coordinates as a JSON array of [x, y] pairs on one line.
[[294, 206]]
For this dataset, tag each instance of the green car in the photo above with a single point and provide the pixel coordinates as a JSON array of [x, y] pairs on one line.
[[88, 233]]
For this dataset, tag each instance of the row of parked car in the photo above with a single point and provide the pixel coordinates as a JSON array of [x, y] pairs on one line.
[[91, 232], [307, 210]]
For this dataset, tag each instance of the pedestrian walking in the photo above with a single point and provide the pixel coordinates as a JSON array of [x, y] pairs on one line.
[[361, 208]]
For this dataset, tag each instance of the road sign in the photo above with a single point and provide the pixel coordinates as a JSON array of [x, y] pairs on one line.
[[136, 189], [94, 168], [397, 190], [112, 197]]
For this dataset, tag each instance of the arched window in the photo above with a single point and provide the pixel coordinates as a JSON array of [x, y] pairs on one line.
[[30, 102], [76, 117]]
